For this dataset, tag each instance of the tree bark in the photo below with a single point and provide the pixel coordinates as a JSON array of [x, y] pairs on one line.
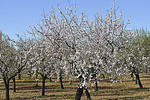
[[7, 91], [103, 76], [43, 83], [61, 83], [79, 93], [19, 75], [132, 76], [36, 80], [6, 87], [96, 87], [50, 79], [139, 81], [14, 87], [136, 79], [87, 94], [134, 71]]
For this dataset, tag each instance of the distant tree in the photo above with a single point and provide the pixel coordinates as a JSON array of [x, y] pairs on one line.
[[138, 52], [10, 64], [42, 60], [145, 49]]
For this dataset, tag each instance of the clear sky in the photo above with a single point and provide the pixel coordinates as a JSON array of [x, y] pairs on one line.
[[17, 15]]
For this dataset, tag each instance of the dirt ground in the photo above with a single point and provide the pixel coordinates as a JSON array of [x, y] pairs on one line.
[[128, 90]]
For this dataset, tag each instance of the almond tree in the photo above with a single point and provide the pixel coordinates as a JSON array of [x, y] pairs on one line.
[[145, 49], [7, 56], [12, 60], [87, 49], [111, 37], [8, 62], [42, 60], [138, 54]]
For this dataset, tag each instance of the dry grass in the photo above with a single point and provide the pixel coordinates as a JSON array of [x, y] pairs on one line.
[[127, 90]]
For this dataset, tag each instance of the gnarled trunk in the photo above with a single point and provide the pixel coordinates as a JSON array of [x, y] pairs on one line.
[[87, 94], [79, 93], [80, 90]]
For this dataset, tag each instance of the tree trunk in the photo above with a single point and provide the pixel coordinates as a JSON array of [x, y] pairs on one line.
[[135, 75], [19, 75], [132, 76], [36, 80], [138, 78], [14, 87], [7, 91], [6, 87], [43, 83], [103, 76], [60, 79], [96, 87], [50, 79], [139, 81], [79, 93], [87, 94]]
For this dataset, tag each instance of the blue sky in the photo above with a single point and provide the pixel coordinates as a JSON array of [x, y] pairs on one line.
[[17, 15]]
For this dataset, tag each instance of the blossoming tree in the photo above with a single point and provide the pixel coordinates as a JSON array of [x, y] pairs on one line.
[[87, 49]]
